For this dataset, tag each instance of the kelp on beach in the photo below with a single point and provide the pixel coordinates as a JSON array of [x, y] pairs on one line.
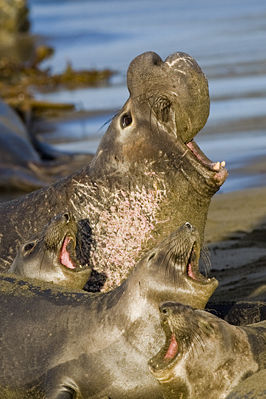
[[21, 55], [18, 80]]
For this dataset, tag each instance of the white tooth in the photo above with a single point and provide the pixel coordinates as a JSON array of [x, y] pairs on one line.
[[217, 166], [223, 164]]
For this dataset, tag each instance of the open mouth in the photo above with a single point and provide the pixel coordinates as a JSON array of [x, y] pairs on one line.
[[170, 353], [218, 168], [67, 256], [191, 268]]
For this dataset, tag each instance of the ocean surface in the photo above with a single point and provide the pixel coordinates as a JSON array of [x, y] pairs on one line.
[[227, 38]]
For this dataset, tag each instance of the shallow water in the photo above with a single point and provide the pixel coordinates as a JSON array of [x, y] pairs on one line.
[[228, 39]]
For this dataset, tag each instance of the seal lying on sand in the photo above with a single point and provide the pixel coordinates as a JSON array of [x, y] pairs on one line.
[[52, 255], [81, 345], [27, 164], [148, 175], [204, 356]]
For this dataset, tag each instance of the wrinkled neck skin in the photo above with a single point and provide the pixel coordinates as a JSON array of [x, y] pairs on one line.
[[213, 365]]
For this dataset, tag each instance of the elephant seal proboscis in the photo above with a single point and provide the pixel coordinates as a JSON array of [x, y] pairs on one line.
[[147, 177], [204, 356], [64, 344], [51, 256]]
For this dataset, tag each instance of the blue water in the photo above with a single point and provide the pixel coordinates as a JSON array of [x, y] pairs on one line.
[[227, 38]]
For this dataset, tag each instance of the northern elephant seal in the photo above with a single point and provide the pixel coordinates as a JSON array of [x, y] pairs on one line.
[[51, 256], [64, 344], [204, 356], [26, 163], [148, 175]]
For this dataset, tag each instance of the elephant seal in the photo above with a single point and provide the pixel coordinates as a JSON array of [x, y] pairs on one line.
[[204, 356], [82, 345], [26, 163], [147, 177], [51, 256]]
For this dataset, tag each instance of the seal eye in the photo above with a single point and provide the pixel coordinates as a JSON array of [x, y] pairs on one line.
[[151, 256], [29, 247], [126, 120]]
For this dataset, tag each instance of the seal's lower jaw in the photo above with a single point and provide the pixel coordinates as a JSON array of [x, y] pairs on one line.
[[215, 173], [67, 255]]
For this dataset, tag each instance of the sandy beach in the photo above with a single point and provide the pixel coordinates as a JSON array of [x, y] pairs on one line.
[[236, 237]]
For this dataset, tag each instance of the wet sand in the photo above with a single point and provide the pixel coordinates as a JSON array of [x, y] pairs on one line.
[[236, 236]]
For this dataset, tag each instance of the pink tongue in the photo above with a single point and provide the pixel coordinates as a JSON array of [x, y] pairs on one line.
[[190, 272], [64, 255], [172, 350]]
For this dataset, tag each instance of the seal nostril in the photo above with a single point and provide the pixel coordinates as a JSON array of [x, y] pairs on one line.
[[188, 225], [126, 120]]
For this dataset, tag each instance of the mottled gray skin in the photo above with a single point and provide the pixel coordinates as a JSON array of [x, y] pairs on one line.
[[147, 176], [27, 164], [41, 257], [204, 356], [76, 345]]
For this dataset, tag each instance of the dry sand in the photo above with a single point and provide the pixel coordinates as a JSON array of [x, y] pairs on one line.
[[236, 236]]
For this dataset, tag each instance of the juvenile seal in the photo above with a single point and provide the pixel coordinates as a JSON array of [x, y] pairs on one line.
[[148, 175], [81, 345], [204, 356], [51, 256]]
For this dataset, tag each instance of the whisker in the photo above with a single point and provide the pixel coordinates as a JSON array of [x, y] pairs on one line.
[[205, 262], [107, 122]]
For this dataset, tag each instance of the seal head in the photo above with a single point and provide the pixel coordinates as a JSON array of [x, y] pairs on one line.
[[51, 256], [176, 88], [203, 355], [174, 264]]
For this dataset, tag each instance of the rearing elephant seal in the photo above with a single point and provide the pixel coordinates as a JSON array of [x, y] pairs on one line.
[[76, 345], [52, 255], [147, 177], [204, 356]]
